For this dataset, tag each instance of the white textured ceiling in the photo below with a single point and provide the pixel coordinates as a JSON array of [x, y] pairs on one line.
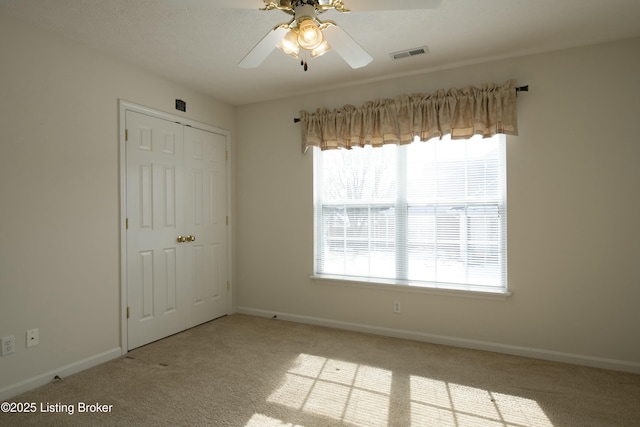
[[197, 44]]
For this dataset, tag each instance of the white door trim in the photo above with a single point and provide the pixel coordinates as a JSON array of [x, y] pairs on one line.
[[125, 106]]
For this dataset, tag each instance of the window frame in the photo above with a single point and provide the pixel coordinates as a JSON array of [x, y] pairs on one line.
[[404, 284]]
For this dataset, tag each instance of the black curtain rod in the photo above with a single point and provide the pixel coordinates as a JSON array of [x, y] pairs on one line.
[[518, 89]]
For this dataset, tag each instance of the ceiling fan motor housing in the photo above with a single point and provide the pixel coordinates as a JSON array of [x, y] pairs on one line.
[[314, 3], [305, 11]]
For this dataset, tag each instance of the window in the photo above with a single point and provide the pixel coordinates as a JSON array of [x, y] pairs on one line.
[[430, 214]]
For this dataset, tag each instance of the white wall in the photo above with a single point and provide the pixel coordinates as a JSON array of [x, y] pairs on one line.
[[59, 197], [573, 224]]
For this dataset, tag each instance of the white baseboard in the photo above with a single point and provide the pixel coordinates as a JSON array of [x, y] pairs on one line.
[[554, 356], [64, 371]]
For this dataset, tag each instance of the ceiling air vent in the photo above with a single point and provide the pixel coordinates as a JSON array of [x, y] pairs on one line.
[[409, 52]]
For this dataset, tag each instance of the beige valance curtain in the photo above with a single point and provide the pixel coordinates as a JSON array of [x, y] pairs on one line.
[[461, 113]]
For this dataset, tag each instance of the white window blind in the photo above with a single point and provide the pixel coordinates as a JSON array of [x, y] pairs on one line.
[[427, 214]]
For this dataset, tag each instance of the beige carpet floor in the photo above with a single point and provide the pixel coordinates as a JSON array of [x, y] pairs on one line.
[[248, 371]]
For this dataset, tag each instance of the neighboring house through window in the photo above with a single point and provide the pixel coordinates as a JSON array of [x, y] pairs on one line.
[[429, 214]]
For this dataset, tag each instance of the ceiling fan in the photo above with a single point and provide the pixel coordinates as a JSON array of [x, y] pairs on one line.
[[305, 35]]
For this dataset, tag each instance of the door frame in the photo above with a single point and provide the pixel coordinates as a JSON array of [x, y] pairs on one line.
[[123, 107]]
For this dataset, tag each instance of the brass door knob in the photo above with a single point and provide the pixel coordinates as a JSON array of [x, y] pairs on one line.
[[182, 239], [191, 238]]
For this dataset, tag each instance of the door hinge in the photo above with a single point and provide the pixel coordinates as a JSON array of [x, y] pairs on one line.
[[227, 219], [128, 312], [226, 155], [126, 223], [228, 285], [126, 135]]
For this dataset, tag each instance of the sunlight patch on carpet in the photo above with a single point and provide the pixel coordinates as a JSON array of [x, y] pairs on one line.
[[441, 403], [260, 420], [362, 395], [336, 389]]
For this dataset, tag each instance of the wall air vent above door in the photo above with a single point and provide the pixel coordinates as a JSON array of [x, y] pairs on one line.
[[409, 52]]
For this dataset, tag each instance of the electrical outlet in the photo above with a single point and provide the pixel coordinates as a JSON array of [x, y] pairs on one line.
[[8, 344], [396, 306], [32, 337]]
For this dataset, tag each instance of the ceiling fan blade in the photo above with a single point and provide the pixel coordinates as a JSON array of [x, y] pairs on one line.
[[236, 4], [373, 5], [347, 47], [264, 47]]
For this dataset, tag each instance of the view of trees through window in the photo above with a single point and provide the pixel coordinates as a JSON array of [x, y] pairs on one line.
[[427, 213]]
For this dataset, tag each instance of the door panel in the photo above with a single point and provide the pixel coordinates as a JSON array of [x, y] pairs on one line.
[[205, 163], [154, 210]]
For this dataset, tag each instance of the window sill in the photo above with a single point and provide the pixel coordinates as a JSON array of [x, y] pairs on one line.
[[393, 285]]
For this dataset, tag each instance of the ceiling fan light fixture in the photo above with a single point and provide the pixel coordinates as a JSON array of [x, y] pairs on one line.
[[289, 44], [321, 50], [309, 34]]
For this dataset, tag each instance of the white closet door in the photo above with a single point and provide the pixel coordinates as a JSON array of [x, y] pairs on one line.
[[177, 244], [155, 214], [205, 201]]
